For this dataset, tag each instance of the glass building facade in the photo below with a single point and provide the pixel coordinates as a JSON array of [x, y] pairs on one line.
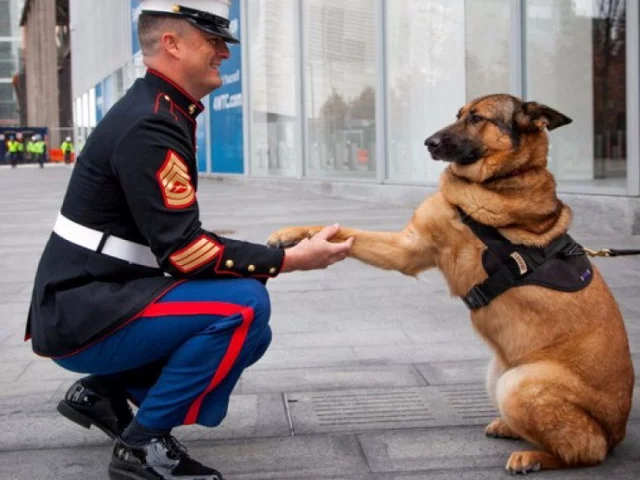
[[348, 91]]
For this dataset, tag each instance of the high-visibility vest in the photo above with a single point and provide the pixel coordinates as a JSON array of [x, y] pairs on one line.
[[66, 147], [39, 147], [31, 147], [13, 146]]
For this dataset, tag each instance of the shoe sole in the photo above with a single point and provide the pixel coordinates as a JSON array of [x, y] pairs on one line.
[[118, 474], [81, 419]]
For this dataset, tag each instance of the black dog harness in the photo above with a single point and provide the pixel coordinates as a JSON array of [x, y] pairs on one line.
[[562, 265]]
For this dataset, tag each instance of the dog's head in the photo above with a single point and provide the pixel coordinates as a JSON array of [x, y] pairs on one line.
[[494, 136]]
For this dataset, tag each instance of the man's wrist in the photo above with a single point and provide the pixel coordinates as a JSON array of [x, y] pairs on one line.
[[289, 263]]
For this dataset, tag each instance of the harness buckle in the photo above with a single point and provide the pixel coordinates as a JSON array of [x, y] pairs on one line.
[[475, 298]]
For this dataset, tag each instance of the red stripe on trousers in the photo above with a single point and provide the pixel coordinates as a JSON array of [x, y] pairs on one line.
[[233, 350]]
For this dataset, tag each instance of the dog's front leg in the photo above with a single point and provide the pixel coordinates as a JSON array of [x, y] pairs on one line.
[[405, 251]]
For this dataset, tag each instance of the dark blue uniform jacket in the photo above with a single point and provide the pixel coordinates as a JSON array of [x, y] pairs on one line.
[[136, 179]]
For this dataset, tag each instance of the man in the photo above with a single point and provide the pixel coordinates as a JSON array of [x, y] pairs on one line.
[[3, 149], [67, 150], [39, 150], [176, 344], [20, 148], [31, 148], [13, 146]]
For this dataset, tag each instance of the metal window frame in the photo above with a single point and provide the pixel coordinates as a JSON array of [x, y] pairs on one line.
[[518, 48], [246, 90], [633, 97], [382, 97], [302, 129]]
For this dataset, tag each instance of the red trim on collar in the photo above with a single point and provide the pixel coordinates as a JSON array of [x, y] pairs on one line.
[[198, 103]]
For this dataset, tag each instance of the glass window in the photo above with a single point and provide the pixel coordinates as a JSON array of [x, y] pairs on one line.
[[441, 54], [576, 64], [273, 114], [340, 77]]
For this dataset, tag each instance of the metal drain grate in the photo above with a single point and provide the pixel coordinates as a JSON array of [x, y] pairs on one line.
[[361, 410], [383, 409], [469, 401], [368, 408]]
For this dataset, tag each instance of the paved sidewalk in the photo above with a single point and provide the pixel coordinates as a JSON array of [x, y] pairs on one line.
[[371, 375]]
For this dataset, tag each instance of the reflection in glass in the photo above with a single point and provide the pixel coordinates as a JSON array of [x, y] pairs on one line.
[[576, 55], [340, 74], [272, 73], [441, 53]]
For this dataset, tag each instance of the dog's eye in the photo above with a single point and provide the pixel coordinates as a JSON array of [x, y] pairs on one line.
[[473, 118]]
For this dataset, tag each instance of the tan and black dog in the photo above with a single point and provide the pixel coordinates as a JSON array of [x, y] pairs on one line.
[[562, 377]]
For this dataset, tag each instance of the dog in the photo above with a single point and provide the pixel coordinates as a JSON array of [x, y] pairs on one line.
[[562, 376]]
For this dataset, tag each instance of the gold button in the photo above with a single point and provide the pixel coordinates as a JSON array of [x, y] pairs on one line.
[[167, 98], [251, 268], [229, 263], [192, 108], [272, 270]]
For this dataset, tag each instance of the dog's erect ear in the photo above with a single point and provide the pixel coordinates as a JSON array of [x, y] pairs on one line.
[[533, 117]]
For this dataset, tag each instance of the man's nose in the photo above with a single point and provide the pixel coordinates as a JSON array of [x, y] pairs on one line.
[[223, 50]]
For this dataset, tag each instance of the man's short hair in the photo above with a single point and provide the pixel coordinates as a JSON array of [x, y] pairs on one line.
[[151, 27]]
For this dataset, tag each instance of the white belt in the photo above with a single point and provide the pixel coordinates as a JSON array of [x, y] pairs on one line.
[[113, 246]]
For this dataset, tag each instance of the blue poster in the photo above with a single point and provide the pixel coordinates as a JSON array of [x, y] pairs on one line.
[[201, 142], [226, 109], [99, 102], [135, 12]]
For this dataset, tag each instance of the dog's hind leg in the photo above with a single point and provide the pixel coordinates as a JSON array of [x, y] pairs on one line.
[[539, 410], [500, 429]]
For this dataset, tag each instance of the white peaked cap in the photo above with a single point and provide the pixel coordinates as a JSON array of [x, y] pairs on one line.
[[215, 7], [211, 16]]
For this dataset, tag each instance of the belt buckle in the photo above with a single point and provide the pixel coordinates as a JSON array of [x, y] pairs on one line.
[[475, 299]]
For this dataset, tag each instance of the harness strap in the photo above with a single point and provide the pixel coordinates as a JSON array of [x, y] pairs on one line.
[[519, 263]]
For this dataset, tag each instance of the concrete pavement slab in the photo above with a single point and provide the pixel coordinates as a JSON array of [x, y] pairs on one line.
[[457, 448], [40, 426], [443, 373], [319, 379], [264, 459]]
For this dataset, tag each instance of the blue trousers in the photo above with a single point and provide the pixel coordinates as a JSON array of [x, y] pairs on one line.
[[203, 333]]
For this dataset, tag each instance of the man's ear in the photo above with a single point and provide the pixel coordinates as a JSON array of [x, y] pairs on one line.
[[169, 42], [533, 117]]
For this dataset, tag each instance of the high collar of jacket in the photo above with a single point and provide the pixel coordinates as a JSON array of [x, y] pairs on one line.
[[189, 105]]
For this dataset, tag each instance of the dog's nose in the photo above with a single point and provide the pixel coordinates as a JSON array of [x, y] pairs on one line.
[[432, 142]]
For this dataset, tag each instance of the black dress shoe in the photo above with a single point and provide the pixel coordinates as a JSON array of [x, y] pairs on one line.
[[85, 407], [162, 458]]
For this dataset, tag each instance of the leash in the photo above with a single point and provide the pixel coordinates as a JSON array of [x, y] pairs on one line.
[[610, 252]]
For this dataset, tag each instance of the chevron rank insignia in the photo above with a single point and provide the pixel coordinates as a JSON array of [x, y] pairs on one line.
[[199, 252], [175, 182]]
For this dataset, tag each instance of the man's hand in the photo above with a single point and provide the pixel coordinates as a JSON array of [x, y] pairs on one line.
[[317, 252]]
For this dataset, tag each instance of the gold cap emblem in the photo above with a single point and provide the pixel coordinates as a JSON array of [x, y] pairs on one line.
[[175, 8], [192, 109]]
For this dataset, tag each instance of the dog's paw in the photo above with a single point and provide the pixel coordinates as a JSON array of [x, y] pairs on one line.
[[499, 429], [525, 462], [288, 237]]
